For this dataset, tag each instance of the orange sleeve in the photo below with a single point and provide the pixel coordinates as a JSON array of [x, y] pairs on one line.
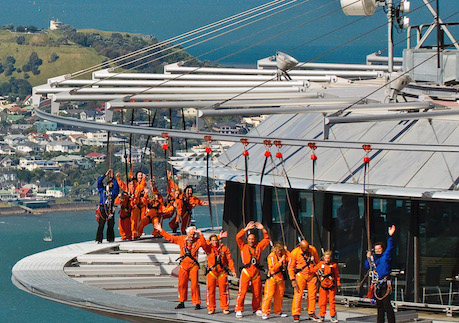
[[336, 274], [195, 201], [169, 237], [207, 247], [121, 184], [265, 242], [317, 267], [273, 263], [292, 264], [314, 254], [239, 240], [230, 260], [179, 206]]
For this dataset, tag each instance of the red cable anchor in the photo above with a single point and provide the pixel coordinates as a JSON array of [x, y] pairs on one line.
[[208, 140], [313, 147], [367, 149], [245, 143], [268, 145], [166, 137]]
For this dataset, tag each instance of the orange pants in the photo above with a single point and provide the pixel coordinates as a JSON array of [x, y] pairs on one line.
[[303, 282], [184, 276], [273, 289], [146, 220], [222, 279], [124, 227], [174, 223], [327, 296], [135, 220], [244, 282]]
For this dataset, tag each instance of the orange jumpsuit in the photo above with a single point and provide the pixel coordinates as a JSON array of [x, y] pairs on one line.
[[274, 284], [304, 274], [153, 215], [217, 260], [250, 275], [124, 224], [184, 207], [329, 279], [188, 267], [134, 203]]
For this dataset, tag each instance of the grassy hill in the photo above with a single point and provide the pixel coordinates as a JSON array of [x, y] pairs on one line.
[[72, 57]]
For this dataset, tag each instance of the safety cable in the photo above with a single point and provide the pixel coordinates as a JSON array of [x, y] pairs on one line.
[[175, 38], [187, 47], [208, 188]]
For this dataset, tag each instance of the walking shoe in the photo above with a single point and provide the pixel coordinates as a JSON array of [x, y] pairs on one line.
[[334, 319], [239, 314], [321, 319], [180, 305], [264, 317], [197, 307], [283, 315], [259, 313], [225, 312], [314, 317], [296, 318], [211, 312]]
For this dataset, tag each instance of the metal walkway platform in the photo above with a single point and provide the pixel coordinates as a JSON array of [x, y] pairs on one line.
[[125, 280]]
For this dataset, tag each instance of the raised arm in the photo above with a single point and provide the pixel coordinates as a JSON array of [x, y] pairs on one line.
[[265, 241]]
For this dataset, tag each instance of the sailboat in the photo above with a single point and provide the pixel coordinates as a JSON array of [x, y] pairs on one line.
[[48, 234]]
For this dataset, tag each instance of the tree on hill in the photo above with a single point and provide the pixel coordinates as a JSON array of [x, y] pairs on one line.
[[54, 57], [20, 29], [10, 60], [33, 64], [32, 29], [20, 40]]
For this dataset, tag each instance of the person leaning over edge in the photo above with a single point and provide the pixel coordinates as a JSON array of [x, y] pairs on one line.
[[250, 275], [106, 211], [189, 266], [300, 270], [380, 265], [220, 264]]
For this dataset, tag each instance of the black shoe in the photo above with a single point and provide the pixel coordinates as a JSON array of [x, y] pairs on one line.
[[180, 305], [296, 318], [198, 307]]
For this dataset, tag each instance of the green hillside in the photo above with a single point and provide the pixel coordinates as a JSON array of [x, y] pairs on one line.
[[38, 56], [72, 57]]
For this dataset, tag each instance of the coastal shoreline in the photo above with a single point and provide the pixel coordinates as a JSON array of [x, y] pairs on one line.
[[76, 206]]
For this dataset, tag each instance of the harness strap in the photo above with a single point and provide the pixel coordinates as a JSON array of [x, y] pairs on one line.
[[250, 277]]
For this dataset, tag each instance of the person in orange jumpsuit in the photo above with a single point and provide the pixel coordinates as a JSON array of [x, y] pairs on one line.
[[124, 224], [184, 206], [301, 272], [220, 264], [275, 282], [327, 272], [250, 275], [154, 212], [189, 266], [134, 190]]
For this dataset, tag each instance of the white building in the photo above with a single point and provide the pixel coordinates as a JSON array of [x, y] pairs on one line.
[[63, 146], [32, 163], [56, 192], [55, 24]]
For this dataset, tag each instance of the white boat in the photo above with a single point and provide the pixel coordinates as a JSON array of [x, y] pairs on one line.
[[48, 234]]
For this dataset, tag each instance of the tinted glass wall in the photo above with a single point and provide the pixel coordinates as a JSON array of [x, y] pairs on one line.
[[426, 240]]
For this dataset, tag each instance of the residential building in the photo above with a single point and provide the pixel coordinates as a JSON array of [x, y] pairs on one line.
[[97, 157], [230, 128], [56, 192], [32, 163], [62, 146], [6, 162], [14, 140], [8, 195], [92, 115], [29, 148], [43, 126], [72, 161]]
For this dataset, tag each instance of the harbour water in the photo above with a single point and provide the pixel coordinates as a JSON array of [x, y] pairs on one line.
[[22, 235]]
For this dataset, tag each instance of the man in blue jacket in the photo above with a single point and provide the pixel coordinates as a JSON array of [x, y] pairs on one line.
[[380, 268], [106, 211]]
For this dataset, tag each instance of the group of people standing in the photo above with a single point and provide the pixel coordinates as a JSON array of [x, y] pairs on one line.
[[302, 266], [141, 205]]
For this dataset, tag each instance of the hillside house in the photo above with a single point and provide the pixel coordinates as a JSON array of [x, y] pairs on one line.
[[62, 146], [97, 157]]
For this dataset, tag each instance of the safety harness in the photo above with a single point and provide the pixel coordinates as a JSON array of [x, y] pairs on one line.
[[308, 259], [281, 270], [323, 276], [187, 253], [217, 262]]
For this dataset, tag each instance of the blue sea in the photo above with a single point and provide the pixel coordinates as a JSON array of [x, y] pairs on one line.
[[22, 235], [306, 31]]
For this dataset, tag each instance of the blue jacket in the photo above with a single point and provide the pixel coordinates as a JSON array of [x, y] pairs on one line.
[[102, 192], [382, 261]]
